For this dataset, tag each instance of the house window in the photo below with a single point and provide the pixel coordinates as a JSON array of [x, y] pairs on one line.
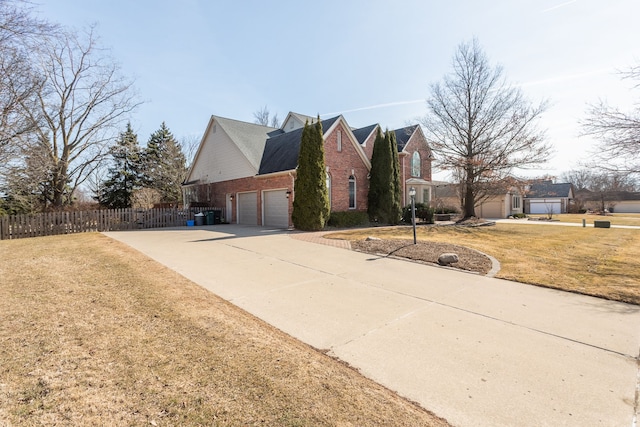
[[415, 164], [352, 192], [425, 195], [328, 182], [516, 202], [339, 140]]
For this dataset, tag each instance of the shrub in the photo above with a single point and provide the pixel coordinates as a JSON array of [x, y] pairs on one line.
[[348, 219], [424, 212], [446, 210], [519, 215]]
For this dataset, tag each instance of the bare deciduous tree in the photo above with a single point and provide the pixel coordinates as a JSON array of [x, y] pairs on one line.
[[602, 186], [263, 117], [618, 130], [480, 126], [78, 108], [20, 34]]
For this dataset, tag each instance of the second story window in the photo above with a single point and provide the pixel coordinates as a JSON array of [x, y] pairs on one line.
[[415, 164]]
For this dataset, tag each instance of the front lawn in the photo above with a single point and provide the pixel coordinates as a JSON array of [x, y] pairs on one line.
[[603, 262], [615, 219]]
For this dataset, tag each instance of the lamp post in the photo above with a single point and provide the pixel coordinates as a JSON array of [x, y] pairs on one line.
[[412, 194]]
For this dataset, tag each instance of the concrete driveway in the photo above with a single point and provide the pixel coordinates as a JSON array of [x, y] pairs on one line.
[[474, 350]]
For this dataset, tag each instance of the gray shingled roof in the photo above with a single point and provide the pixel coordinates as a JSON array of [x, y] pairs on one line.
[[403, 135], [249, 137], [545, 189], [281, 151], [363, 133]]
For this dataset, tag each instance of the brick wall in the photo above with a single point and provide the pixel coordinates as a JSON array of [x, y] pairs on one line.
[[343, 164], [418, 143]]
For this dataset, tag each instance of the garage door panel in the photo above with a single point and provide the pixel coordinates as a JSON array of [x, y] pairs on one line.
[[491, 210], [276, 208], [545, 208], [248, 208]]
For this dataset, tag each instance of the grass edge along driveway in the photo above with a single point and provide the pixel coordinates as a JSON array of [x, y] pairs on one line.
[[602, 262]]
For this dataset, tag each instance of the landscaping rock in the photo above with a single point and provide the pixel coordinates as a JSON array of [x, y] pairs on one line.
[[371, 239], [447, 259]]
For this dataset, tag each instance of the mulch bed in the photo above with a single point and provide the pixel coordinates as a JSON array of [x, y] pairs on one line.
[[468, 259]]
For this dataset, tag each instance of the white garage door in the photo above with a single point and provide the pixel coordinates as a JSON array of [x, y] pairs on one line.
[[276, 208], [248, 208], [545, 207]]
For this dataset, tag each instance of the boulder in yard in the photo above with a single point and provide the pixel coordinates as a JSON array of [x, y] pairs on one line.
[[447, 259]]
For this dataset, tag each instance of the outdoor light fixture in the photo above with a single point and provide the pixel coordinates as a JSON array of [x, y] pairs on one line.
[[288, 193], [412, 194], [231, 197]]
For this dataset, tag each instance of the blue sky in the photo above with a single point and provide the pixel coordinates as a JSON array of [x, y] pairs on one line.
[[372, 60]]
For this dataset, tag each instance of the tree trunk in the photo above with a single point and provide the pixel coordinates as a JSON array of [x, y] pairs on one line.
[[469, 202]]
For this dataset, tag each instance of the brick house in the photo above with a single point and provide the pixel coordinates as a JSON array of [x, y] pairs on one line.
[[250, 170]]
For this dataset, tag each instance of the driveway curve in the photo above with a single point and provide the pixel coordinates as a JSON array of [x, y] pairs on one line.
[[475, 350]]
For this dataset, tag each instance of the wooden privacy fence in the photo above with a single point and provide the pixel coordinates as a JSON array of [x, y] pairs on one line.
[[52, 223]]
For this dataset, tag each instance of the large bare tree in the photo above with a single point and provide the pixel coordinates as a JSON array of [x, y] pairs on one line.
[[481, 127], [263, 117], [20, 34], [619, 132], [80, 104]]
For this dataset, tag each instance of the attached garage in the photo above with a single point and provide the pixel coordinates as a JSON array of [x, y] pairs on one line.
[[627, 206], [491, 209], [248, 208], [276, 208], [552, 206]]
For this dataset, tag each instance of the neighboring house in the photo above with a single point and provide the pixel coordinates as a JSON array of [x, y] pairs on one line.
[[613, 201], [545, 197], [250, 169], [499, 205], [626, 202]]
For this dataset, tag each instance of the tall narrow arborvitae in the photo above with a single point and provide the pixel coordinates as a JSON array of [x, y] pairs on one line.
[[396, 211], [381, 185], [311, 196]]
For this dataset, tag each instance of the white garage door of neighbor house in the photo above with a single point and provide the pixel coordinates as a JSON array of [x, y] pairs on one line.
[[545, 207], [276, 208], [248, 208]]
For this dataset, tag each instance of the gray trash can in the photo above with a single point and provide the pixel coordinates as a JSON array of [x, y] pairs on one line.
[[199, 217]]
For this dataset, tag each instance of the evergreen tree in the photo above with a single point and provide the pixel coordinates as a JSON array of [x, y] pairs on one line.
[[381, 184], [396, 211], [124, 175], [311, 203], [164, 165]]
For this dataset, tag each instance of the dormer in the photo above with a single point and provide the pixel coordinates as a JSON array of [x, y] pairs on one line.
[[295, 121]]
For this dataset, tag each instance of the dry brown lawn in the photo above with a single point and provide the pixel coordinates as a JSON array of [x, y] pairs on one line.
[[94, 333], [603, 262], [615, 219]]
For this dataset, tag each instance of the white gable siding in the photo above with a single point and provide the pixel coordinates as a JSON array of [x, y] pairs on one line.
[[220, 159]]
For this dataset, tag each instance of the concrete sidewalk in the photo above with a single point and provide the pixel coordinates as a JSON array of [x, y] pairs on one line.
[[474, 350]]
